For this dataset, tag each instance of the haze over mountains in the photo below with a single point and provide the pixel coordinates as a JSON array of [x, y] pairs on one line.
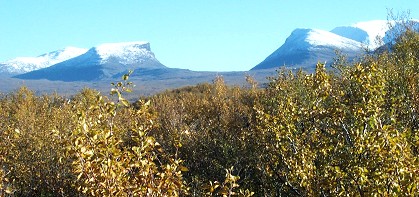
[[106, 62]]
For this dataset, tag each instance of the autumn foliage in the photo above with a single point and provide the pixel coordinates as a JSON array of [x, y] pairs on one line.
[[352, 130]]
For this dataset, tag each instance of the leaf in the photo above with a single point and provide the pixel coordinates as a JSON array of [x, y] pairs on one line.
[[223, 191], [107, 135], [79, 176], [85, 127], [124, 102], [147, 103], [9, 190], [114, 91], [184, 169], [125, 77]]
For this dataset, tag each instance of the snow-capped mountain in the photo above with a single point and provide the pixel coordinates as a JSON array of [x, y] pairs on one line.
[[26, 64], [103, 61], [305, 47]]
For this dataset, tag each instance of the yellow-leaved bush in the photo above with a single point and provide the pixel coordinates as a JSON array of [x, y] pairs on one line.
[[34, 131], [115, 156], [354, 133]]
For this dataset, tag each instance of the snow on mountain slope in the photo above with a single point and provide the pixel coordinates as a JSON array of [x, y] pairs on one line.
[[376, 29], [317, 37], [314, 39], [26, 64], [126, 52]]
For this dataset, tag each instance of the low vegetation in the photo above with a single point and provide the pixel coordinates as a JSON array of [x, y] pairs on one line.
[[349, 131]]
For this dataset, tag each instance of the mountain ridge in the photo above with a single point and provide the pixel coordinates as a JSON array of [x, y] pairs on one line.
[[103, 61], [20, 65]]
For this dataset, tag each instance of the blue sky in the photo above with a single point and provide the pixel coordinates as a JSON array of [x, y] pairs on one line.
[[216, 35]]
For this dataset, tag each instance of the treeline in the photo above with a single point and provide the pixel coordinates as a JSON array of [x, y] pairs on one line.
[[349, 131]]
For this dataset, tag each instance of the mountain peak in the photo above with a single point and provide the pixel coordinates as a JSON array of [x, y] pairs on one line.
[[126, 52], [305, 46]]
